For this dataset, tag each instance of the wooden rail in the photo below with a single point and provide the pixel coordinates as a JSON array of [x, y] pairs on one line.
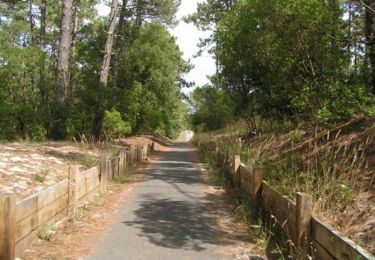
[[22, 221], [295, 218]]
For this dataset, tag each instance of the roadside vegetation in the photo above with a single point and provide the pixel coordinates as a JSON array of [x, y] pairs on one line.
[[69, 73], [294, 94]]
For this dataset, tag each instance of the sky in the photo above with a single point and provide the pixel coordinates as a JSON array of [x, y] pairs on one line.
[[187, 37]]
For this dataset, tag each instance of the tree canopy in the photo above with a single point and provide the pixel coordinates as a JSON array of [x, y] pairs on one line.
[[51, 64], [289, 60]]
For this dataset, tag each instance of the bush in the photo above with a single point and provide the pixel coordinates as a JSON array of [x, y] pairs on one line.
[[114, 126]]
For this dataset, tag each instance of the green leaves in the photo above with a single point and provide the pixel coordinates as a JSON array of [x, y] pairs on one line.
[[114, 126]]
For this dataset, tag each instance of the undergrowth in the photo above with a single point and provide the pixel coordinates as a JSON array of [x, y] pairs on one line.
[[320, 161], [266, 230]]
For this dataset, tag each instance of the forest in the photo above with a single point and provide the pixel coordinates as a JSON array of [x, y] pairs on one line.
[[286, 61], [67, 72]]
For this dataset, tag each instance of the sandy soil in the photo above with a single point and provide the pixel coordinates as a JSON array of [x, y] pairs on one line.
[[26, 168]]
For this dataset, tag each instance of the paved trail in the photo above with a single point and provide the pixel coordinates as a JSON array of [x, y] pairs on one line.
[[166, 216]]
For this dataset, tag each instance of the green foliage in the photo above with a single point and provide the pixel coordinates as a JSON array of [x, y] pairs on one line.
[[286, 60], [40, 176], [213, 108], [151, 66], [114, 126]]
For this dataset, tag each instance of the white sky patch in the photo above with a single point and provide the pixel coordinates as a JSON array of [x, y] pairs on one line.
[[187, 36]]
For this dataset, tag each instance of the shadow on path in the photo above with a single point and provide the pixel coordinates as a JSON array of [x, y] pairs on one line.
[[176, 223]]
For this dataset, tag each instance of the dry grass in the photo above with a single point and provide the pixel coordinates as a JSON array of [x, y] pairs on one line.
[[334, 164]]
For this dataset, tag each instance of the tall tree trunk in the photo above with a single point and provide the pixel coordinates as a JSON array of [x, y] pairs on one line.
[[42, 46], [370, 37], [64, 51], [138, 13], [99, 116], [108, 46], [32, 24], [119, 43], [75, 24]]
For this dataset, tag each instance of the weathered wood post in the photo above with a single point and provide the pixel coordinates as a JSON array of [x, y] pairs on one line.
[[236, 170], [103, 173], [217, 152], [125, 159], [7, 226], [131, 154], [153, 147], [139, 153], [144, 154], [73, 188], [256, 184], [122, 159], [303, 220]]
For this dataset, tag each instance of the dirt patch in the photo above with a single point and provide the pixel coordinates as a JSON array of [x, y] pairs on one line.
[[26, 168]]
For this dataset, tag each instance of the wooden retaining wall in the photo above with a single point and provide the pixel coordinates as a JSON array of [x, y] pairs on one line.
[[306, 232], [21, 221]]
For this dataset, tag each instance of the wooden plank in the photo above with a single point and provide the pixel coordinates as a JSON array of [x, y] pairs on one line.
[[90, 173], [90, 195], [319, 252], [87, 185], [303, 217], [7, 226], [31, 204], [33, 221], [281, 208], [32, 237], [335, 243], [103, 173], [235, 169], [73, 188]]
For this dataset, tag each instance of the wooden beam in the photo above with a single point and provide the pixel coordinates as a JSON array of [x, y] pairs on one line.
[[256, 185], [236, 172], [103, 173], [7, 226], [73, 188], [122, 159], [303, 220]]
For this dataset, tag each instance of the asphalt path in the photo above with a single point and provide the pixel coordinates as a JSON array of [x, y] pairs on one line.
[[166, 216]]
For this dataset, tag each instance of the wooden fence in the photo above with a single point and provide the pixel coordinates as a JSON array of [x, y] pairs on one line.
[[21, 221], [295, 218]]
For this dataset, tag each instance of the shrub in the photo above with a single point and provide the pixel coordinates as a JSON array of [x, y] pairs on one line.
[[114, 126]]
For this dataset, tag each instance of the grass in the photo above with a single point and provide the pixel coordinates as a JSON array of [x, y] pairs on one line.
[[125, 176], [47, 231], [324, 166], [322, 162], [268, 234], [40, 177], [90, 161]]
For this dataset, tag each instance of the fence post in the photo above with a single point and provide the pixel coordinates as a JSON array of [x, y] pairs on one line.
[[303, 220], [122, 159], [217, 151], [7, 226], [153, 147], [125, 159], [236, 169], [138, 151], [131, 154], [256, 180], [103, 173], [145, 151], [73, 188]]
